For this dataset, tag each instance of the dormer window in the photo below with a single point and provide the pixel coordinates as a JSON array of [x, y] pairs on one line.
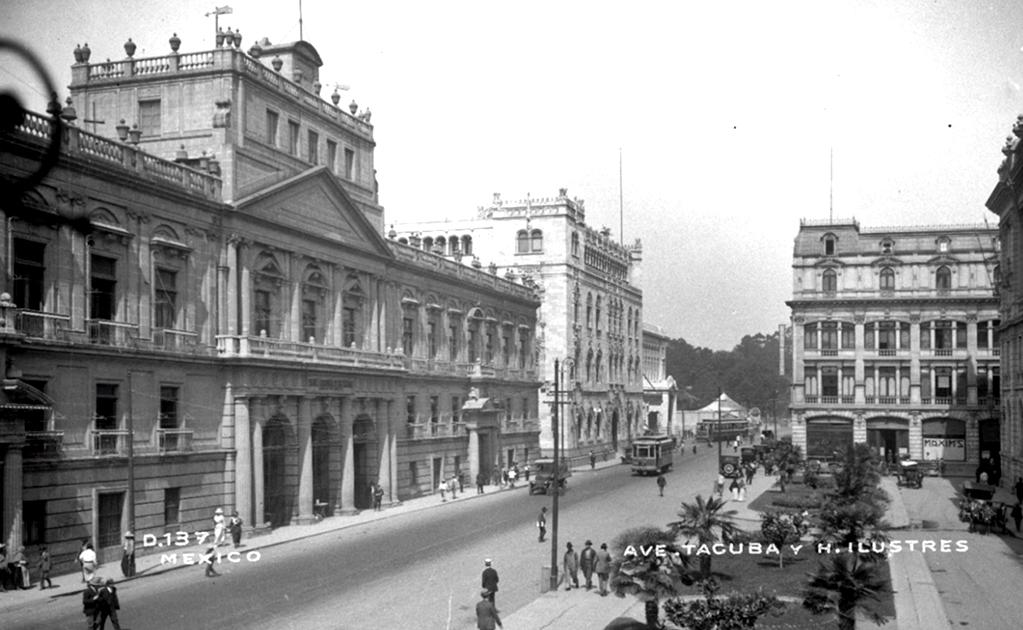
[[830, 244], [943, 244], [886, 247]]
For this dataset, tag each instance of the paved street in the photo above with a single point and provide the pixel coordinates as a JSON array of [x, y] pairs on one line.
[[422, 565]]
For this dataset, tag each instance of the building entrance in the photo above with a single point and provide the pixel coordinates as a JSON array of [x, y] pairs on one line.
[[275, 490]]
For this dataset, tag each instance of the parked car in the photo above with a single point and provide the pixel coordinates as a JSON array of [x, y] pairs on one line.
[[545, 477]]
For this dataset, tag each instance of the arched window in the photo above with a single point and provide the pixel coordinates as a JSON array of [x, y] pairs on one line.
[[522, 242], [428, 244], [441, 244], [887, 279], [830, 284], [830, 244], [536, 238], [467, 245], [943, 278]]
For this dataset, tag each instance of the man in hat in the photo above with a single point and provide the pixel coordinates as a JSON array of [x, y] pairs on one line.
[[603, 568], [108, 605], [91, 601], [486, 613], [489, 580], [588, 562], [128, 559]]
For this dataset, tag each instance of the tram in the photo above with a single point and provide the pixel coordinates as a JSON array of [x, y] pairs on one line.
[[653, 454], [717, 431]]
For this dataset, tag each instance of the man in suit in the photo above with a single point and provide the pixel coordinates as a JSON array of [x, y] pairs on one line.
[[486, 613], [489, 580]]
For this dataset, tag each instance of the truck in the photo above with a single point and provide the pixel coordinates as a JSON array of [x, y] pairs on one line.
[[545, 476]]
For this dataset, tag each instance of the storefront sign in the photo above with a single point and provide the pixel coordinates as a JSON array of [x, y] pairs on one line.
[[949, 449]]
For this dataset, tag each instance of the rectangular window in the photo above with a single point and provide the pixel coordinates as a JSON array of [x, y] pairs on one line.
[[313, 148], [829, 381], [431, 339], [453, 332], [34, 513], [110, 506], [293, 131], [434, 410], [309, 331], [169, 397], [171, 506], [106, 407], [29, 269], [349, 164], [348, 327], [149, 117], [942, 335], [410, 409], [829, 336], [165, 308], [272, 121], [406, 335], [848, 336], [489, 348], [523, 348], [331, 155], [103, 287], [506, 349], [809, 336], [456, 409], [261, 312], [886, 336]]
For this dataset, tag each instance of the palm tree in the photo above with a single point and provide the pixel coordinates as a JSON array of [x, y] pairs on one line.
[[704, 521], [651, 577], [842, 586]]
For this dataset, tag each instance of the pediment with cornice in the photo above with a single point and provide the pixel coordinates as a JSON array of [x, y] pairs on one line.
[[943, 259], [830, 263], [886, 261]]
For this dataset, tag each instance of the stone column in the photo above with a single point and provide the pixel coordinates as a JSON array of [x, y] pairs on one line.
[[305, 460], [258, 499], [381, 420], [13, 518], [859, 335], [243, 468], [474, 452], [245, 291], [348, 458], [232, 285]]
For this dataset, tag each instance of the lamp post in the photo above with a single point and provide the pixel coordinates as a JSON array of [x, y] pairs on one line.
[[719, 425]]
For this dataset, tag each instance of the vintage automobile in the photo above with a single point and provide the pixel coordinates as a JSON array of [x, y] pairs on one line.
[[909, 474], [545, 476]]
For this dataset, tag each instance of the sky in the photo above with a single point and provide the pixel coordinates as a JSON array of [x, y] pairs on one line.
[[728, 121]]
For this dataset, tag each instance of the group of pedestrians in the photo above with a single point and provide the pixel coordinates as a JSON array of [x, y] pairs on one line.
[[591, 561], [99, 602], [14, 570]]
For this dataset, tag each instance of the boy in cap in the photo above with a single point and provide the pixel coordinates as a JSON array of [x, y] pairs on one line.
[[486, 613]]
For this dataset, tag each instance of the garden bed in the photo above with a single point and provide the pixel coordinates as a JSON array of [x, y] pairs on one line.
[[797, 497]]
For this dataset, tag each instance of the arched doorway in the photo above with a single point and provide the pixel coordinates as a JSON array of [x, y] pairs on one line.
[[888, 438], [364, 458], [326, 463], [277, 499]]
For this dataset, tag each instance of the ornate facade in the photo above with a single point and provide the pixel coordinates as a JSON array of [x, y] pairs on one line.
[[896, 341], [273, 353], [591, 316]]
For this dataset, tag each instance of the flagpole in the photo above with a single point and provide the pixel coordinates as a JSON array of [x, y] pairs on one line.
[[621, 214]]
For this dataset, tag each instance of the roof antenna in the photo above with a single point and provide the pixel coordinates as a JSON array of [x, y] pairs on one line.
[[831, 184], [300, 21]]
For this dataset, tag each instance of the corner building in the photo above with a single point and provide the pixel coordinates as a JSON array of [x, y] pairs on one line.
[[896, 342], [236, 328], [590, 319]]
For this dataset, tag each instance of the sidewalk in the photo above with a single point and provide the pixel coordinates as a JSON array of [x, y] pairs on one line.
[[148, 565]]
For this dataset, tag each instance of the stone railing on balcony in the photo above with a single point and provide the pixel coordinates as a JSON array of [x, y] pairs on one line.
[[109, 442], [279, 349], [43, 444], [42, 325], [108, 333], [174, 440], [464, 273], [434, 430], [176, 340], [226, 60], [38, 129]]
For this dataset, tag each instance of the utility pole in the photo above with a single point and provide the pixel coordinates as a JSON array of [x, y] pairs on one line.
[[719, 425], [555, 429]]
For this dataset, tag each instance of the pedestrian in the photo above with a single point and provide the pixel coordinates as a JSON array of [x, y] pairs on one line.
[[593, 461], [19, 569], [443, 488], [694, 447], [461, 484], [541, 522], [87, 558], [496, 476], [489, 580], [750, 471], [45, 564], [588, 562], [571, 564], [513, 474], [128, 555], [218, 527], [235, 526], [504, 476], [603, 568], [378, 496], [208, 558], [452, 484], [486, 613], [525, 471], [734, 489], [108, 605], [3, 568], [78, 559], [91, 602], [742, 489], [661, 482], [719, 486], [480, 481]]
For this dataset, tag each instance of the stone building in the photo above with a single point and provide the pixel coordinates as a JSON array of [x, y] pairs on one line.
[[896, 341], [233, 336], [660, 391], [591, 314], [1005, 201]]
